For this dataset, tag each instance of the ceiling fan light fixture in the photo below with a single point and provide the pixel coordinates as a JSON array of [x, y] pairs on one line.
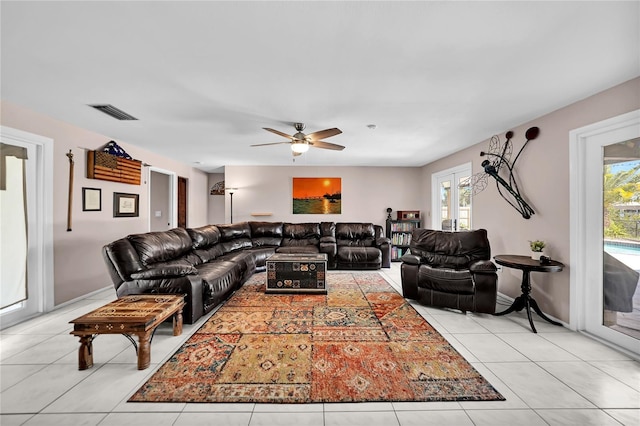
[[300, 147]]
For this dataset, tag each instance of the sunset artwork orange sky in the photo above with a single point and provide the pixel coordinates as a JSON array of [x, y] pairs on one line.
[[315, 187]]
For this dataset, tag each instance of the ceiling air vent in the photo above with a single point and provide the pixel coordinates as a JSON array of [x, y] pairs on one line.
[[113, 112]]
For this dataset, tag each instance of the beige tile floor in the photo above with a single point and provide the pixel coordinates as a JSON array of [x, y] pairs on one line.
[[555, 377]]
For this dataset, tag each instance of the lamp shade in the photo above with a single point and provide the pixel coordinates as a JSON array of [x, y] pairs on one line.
[[300, 147]]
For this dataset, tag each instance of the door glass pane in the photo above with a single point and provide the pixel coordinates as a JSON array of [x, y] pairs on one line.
[[621, 236], [13, 226], [445, 205], [464, 203]]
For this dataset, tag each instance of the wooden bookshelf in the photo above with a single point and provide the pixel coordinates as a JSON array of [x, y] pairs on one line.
[[399, 231]]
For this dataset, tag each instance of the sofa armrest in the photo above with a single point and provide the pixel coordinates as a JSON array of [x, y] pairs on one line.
[[483, 267], [383, 240], [328, 240], [164, 271], [411, 259]]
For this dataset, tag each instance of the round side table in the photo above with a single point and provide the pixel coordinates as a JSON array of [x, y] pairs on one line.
[[527, 265]]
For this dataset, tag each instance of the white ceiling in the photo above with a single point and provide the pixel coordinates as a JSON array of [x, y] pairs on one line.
[[205, 77]]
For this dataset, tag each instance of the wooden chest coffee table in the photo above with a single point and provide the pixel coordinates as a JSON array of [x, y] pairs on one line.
[[296, 273], [139, 314]]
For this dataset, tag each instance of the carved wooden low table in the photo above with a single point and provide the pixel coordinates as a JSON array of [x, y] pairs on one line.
[[138, 314], [296, 273]]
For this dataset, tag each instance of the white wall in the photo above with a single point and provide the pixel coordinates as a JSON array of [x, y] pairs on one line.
[[366, 192], [78, 265], [543, 178], [216, 202], [159, 201]]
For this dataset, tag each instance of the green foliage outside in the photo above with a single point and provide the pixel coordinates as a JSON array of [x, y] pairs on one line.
[[620, 188]]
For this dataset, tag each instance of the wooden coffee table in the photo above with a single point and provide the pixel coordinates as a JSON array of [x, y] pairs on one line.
[[139, 314]]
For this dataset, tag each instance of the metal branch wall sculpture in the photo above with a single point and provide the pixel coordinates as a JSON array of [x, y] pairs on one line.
[[499, 161]]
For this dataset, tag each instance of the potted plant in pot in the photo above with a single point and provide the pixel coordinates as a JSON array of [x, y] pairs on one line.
[[536, 248]]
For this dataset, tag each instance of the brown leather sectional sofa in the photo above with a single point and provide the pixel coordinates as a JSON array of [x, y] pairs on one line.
[[209, 263]]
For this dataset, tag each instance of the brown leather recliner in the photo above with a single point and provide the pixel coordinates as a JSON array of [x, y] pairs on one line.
[[451, 270]]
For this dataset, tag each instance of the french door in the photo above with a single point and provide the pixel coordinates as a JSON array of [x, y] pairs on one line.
[[451, 199], [26, 258], [605, 231]]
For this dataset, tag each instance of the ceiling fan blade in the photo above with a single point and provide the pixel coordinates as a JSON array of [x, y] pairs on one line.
[[277, 132], [326, 145], [273, 143], [323, 134]]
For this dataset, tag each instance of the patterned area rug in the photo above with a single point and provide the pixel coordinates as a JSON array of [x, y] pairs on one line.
[[360, 342]]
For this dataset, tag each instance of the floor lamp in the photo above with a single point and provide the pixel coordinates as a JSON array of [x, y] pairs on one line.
[[231, 190]]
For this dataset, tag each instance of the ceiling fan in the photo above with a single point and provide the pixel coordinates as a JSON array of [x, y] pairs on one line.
[[300, 142]]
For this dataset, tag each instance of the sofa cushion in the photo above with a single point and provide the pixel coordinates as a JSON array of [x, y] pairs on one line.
[[162, 271], [456, 250], [234, 231], [355, 234], [300, 234], [298, 249], [266, 233], [328, 229], [219, 278], [210, 253], [235, 236], [261, 254], [205, 236], [358, 255], [445, 280], [154, 247], [122, 260]]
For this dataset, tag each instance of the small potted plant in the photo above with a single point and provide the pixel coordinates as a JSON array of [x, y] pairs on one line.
[[536, 248]]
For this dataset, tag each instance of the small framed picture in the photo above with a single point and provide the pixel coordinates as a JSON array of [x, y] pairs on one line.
[[91, 199], [125, 205]]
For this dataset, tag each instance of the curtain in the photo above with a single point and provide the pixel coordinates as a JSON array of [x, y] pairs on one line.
[[13, 225]]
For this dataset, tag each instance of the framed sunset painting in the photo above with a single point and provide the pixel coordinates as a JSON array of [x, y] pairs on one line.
[[317, 195]]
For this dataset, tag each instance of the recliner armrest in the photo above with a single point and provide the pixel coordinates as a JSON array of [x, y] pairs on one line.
[[483, 267], [328, 239], [411, 259]]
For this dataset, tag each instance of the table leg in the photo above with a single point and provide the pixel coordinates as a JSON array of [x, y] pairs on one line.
[[521, 302], [144, 350], [85, 353], [517, 305], [177, 323], [536, 308], [528, 307], [525, 301]]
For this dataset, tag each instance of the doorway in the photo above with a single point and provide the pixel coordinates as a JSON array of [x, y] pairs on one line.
[[605, 300], [26, 188], [182, 202], [451, 199], [162, 199]]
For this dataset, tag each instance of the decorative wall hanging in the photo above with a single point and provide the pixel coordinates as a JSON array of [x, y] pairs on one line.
[[499, 161], [217, 189], [113, 164], [125, 205], [70, 203], [317, 195]]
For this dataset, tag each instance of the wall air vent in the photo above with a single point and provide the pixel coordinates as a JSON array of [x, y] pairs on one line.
[[113, 112]]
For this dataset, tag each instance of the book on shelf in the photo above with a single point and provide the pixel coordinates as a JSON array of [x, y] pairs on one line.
[[398, 252], [403, 226], [401, 239]]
